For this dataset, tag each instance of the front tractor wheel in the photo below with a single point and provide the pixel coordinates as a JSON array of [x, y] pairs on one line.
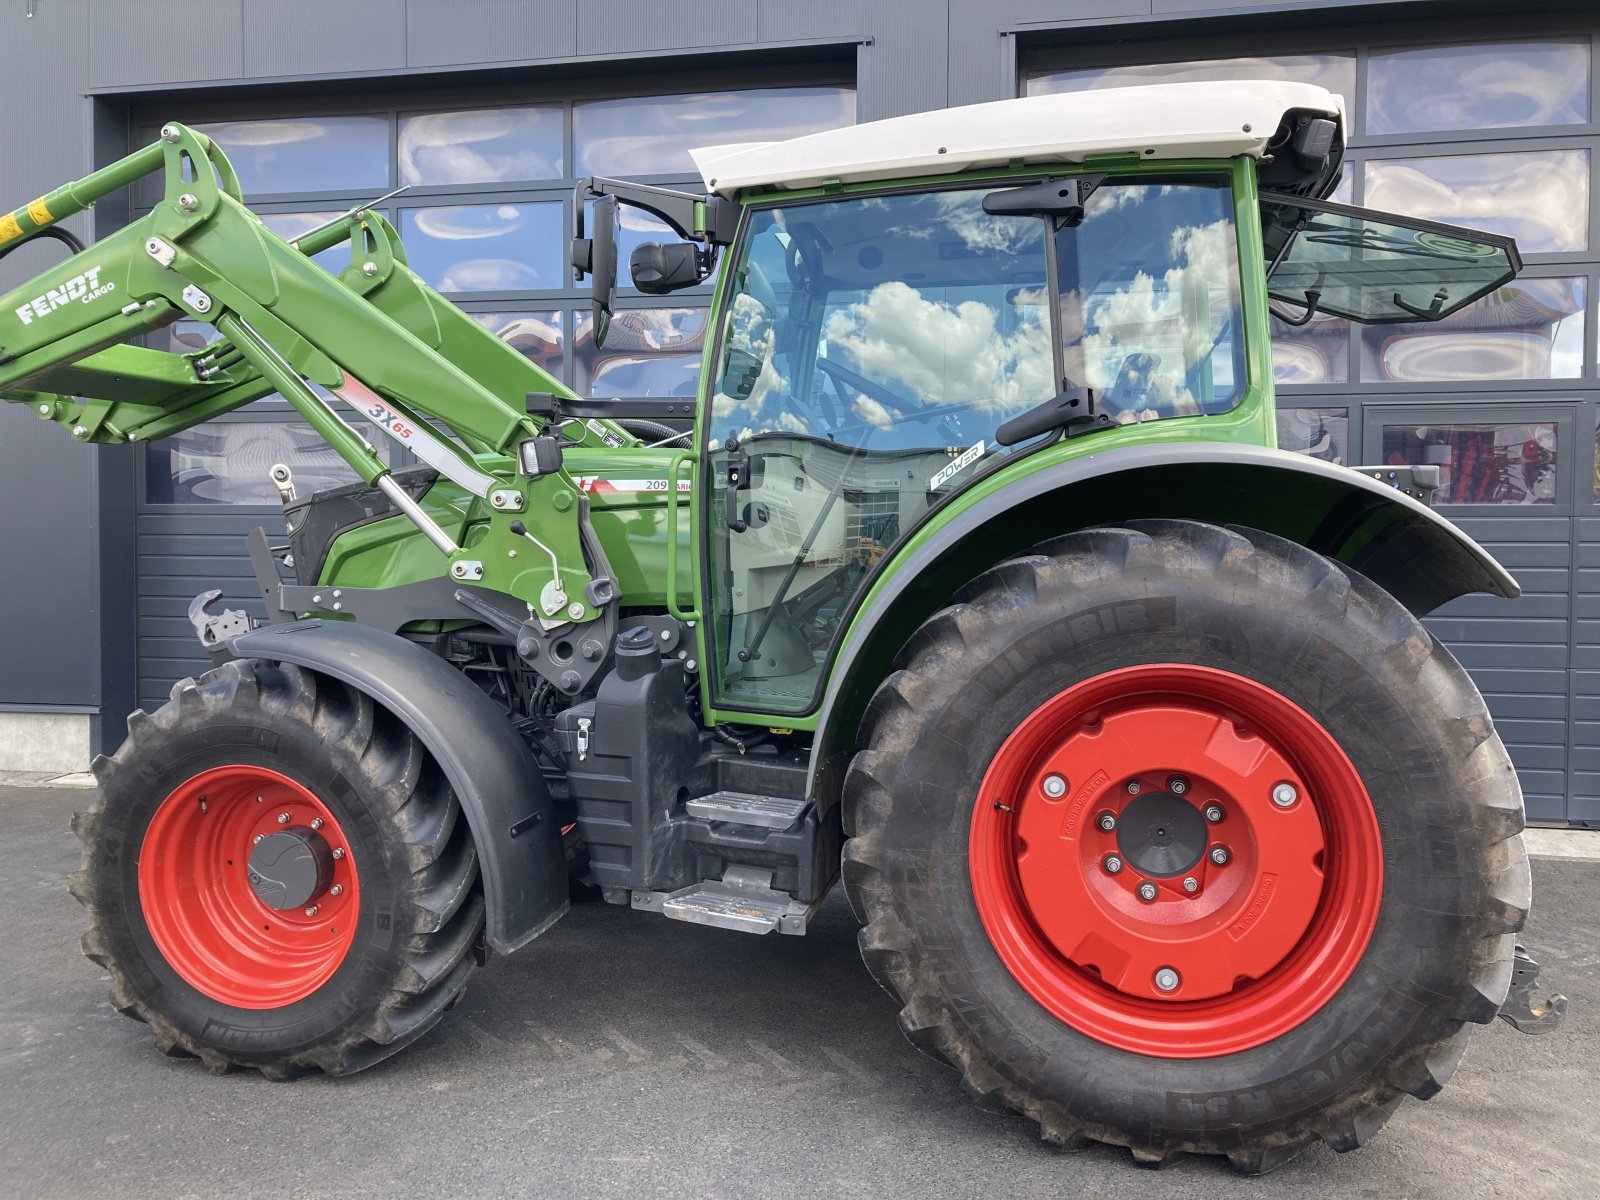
[[277, 875], [1184, 839]]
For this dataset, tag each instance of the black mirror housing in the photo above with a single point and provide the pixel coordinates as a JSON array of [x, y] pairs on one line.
[[603, 265], [658, 268]]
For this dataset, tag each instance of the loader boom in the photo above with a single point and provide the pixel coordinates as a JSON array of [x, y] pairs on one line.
[[378, 338]]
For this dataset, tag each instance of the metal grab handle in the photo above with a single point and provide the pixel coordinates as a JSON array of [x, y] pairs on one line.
[[679, 461]]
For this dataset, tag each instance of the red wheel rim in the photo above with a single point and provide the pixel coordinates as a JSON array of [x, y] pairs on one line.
[[200, 908], [1224, 956]]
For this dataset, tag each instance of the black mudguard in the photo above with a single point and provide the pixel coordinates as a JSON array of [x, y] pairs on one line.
[[491, 769]]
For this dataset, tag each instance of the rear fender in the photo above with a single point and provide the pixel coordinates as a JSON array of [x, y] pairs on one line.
[[1399, 543], [490, 768]]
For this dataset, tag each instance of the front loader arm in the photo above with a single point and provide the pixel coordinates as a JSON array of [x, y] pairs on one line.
[[378, 338]]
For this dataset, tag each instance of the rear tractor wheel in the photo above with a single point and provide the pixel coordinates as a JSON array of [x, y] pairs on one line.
[[278, 876], [1184, 839]]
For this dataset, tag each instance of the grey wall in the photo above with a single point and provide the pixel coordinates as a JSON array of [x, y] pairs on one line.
[[64, 512]]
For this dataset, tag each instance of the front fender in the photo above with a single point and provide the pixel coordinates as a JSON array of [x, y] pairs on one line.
[[490, 768], [1399, 543]]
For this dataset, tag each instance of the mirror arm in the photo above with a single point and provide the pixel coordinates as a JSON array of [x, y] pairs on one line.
[[679, 210], [1312, 300]]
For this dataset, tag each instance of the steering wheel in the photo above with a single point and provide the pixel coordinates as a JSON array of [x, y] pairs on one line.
[[908, 411]]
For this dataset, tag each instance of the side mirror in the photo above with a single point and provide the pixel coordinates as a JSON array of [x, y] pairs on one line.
[[603, 266], [661, 267]]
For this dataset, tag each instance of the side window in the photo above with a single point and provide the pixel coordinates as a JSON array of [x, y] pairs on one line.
[[1150, 300]]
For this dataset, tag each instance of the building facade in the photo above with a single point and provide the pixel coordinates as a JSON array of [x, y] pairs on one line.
[[487, 111]]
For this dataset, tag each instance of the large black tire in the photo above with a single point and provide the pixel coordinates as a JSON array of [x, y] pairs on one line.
[[419, 917], [1448, 809]]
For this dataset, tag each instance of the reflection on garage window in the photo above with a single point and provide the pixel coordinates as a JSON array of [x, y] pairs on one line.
[[1541, 198], [1316, 352], [481, 145], [1336, 72], [538, 335], [1478, 87], [1530, 329], [306, 154], [1315, 432], [648, 352], [485, 247], [652, 135], [1481, 464], [226, 462]]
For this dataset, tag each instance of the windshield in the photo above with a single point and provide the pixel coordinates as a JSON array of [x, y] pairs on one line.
[[873, 346]]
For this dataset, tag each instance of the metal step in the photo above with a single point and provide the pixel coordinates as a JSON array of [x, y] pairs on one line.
[[742, 900], [746, 808]]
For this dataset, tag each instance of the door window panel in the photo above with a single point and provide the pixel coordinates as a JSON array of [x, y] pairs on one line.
[[486, 247], [481, 145], [306, 154], [1477, 87], [1510, 463], [1322, 433], [1529, 329], [872, 346], [652, 135], [1150, 301], [1541, 197]]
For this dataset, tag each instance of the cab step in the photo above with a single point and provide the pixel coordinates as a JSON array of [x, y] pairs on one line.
[[742, 900], [747, 808]]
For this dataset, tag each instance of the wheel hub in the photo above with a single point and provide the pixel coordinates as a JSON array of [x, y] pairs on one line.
[[291, 868], [1161, 896], [248, 885], [1161, 834]]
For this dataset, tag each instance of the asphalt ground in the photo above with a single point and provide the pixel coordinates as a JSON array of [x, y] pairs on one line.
[[624, 1055]]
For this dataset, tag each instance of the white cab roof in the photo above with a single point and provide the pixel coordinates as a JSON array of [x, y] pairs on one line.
[[1155, 121]]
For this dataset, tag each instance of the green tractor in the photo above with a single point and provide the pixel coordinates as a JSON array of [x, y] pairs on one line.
[[979, 584]]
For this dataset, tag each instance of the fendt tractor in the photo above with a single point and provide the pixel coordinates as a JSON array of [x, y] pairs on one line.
[[979, 584]]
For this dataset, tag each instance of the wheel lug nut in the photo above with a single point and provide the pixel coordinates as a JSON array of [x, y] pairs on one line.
[[1285, 794], [311, 910], [1191, 884], [1167, 979], [336, 890], [283, 818], [1147, 891], [258, 837], [1107, 822], [1055, 786], [338, 852], [1214, 812], [316, 822], [1134, 787], [1220, 855], [1112, 864], [1177, 785]]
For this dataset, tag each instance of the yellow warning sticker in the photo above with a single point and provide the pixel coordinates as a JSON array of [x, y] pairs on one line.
[[9, 229], [39, 213]]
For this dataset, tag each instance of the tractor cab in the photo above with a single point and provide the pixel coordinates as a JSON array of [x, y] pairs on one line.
[[908, 308]]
